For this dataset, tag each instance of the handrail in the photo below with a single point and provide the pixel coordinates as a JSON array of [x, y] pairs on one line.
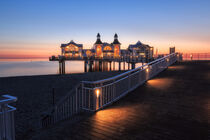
[[71, 91], [127, 72], [50, 110], [8, 99]]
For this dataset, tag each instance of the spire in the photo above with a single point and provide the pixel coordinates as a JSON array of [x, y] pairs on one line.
[[98, 41], [98, 36], [115, 36], [116, 39]]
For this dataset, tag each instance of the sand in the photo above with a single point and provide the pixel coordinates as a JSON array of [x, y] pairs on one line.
[[34, 95]]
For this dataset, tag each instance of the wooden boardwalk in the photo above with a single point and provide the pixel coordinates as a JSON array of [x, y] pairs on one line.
[[175, 105]]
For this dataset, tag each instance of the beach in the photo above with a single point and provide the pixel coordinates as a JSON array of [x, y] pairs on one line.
[[35, 96]]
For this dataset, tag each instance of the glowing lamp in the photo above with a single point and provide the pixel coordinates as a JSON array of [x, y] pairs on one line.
[[97, 92], [147, 70]]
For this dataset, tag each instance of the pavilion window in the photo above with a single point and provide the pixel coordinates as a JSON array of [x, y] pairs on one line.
[[107, 48], [116, 51], [99, 51]]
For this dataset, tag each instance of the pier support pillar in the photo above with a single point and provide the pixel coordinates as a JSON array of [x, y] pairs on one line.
[[133, 65], [128, 66], [124, 65], [110, 66], [62, 67], [100, 65], [85, 65], [113, 65], [119, 66], [90, 66], [104, 66]]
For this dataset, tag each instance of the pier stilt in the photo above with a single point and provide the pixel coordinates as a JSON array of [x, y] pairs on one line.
[[90, 66], [100, 65], [119, 66], [124, 65], [110, 65], [62, 67], [133, 65], [103, 66], [85, 65], [59, 68], [128, 66], [113, 65]]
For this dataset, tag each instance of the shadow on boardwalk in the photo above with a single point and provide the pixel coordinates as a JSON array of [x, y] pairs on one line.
[[175, 105]]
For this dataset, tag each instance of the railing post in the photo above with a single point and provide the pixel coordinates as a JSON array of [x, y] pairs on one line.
[[83, 100], [76, 106], [129, 82]]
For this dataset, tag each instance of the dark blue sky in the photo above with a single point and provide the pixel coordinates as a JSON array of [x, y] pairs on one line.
[[43, 24]]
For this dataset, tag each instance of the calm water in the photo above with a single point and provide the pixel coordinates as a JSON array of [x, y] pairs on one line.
[[42, 67]]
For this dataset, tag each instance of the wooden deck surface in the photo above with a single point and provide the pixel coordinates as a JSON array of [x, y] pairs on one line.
[[175, 105]]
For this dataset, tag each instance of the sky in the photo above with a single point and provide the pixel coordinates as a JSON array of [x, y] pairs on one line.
[[36, 28]]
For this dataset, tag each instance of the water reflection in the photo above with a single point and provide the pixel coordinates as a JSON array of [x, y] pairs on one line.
[[29, 67], [22, 68], [176, 67], [160, 83]]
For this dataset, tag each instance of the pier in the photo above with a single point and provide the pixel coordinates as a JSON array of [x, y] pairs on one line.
[[101, 64], [102, 54], [173, 105]]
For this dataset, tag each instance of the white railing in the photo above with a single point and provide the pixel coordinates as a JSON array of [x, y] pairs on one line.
[[94, 95], [7, 128]]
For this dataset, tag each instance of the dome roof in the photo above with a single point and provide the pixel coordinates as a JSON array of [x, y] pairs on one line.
[[116, 39], [98, 41]]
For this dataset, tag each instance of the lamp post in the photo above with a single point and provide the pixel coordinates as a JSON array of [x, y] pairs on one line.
[[97, 95]]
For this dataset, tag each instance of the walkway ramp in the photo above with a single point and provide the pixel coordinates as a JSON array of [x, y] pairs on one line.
[[175, 105]]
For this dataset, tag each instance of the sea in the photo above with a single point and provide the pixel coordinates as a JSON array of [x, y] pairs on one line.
[[28, 67]]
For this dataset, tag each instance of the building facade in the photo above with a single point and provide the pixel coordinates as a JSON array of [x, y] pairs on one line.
[[103, 49], [106, 50], [142, 50], [71, 49]]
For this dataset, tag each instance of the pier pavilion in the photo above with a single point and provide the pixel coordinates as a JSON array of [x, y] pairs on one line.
[[142, 50], [105, 49], [71, 49], [103, 52]]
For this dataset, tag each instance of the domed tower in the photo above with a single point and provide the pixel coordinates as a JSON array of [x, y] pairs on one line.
[[98, 41], [98, 46], [116, 44]]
